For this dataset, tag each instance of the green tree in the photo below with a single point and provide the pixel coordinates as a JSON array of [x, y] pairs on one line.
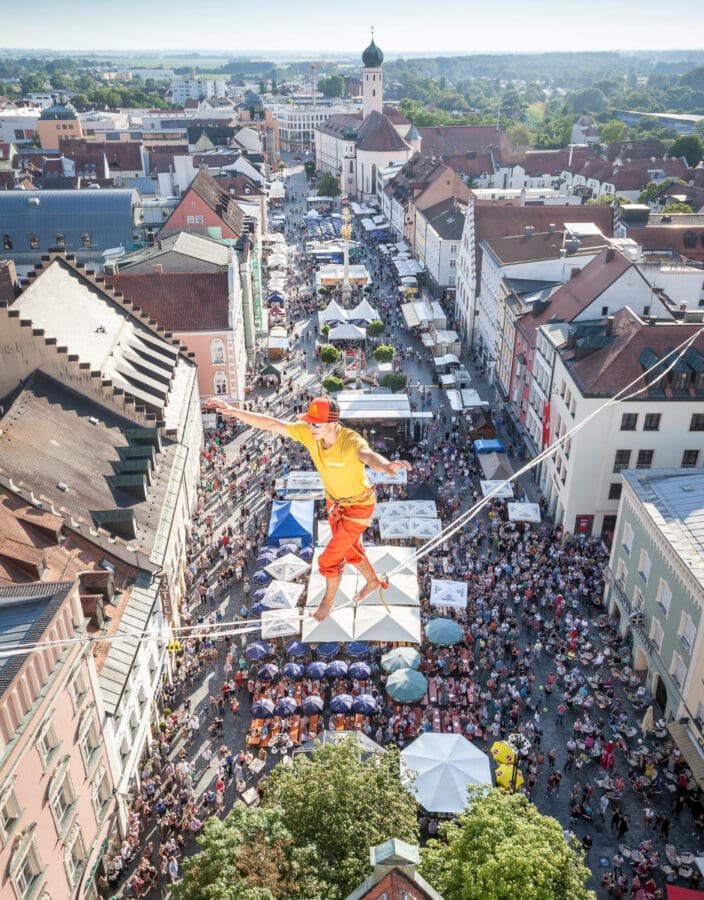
[[384, 353], [309, 167], [333, 86], [614, 130], [328, 186], [375, 327], [394, 381], [653, 188], [690, 146], [332, 384], [342, 804], [329, 354], [502, 848], [678, 208], [250, 855]]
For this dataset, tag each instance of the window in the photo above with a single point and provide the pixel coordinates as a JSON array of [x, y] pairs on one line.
[[62, 799], [615, 490], [190, 220], [47, 744], [33, 242], [60, 241], [74, 854], [6, 242], [621, 572], [604, 310], [644, 565], [217, 351], [656, 634], [220, 382], [85, 239], [652, 422], [78, 689], [627, 538], [637, 599], [622, 460], [680, 381], [89, 738], [678, 670], [687, 631], [25, 865], [645, 459], [664, 596], [689, 459], [629, 421], [199, 220], [10, 812], [697, 423]]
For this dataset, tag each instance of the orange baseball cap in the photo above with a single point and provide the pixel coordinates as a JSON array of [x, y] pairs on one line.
[[321, 411]]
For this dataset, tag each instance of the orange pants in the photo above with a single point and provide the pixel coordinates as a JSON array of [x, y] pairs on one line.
[[345, 545]]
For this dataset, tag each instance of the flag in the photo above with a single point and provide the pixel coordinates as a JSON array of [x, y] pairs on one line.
[[546, 423]]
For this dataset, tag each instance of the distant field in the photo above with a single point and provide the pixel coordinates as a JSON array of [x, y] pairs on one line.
[[166, 62]]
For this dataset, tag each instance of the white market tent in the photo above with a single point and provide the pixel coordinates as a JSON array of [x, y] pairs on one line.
[[524, 512], [505, 492], [405, 508], [347, 332], [282, 594], [277, 190], [448, 593], [447, 360], [400, 624], [287, 567], [280, 623], [361, 406], [495, 466], [386, 559], [333, 312], [364, 311], [393, 529], [440, 767]]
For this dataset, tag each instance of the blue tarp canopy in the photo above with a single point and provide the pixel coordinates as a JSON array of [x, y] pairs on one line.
[[291, 520], [492, 445]]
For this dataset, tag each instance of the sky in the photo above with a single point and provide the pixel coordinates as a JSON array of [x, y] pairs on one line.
[[403, 27]]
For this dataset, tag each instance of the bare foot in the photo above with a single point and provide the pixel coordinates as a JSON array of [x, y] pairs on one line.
[[369, 588], [323, 611]]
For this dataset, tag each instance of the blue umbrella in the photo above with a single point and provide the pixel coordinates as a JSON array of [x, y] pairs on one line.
[[293, 670], [364, 703], [296, 648], [356, 649], [257, 650], [286, 548], [400, 658], [444, 632], [312, 705], [316, 669], [258, 609], [406, 685], [327, 651], [360, 669], [306, 553], [262, 709], [286, 706], [266, 556], [262, 577], [268, 672], [336, 669], [258, 595], [341, 703]]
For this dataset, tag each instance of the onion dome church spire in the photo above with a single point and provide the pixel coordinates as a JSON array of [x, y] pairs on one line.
[[372, 79]]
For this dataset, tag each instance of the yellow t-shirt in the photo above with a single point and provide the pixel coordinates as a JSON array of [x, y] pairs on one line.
[[343, 474]]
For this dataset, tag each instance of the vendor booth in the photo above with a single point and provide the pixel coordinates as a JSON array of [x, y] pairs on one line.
[[291, 522]]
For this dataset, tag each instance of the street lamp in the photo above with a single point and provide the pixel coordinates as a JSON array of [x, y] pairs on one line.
[[520, 745]]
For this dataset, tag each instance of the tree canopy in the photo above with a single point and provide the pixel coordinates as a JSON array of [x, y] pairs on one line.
[[328, 185], [384, 353], [690, 146], [329, 354], [501, 848]]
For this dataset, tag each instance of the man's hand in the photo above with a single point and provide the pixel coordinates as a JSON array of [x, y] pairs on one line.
[[397, 465]]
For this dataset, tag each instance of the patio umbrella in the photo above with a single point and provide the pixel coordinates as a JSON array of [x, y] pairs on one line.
[[328, 650], [282, 594], [360, 669], [257, 650], [312, 704], [400, 658], [336, 669], [262, 577], [286, 706], [440, 768], [406, 685], [287, 567], [262, 709], [503, 776], [258, 609], [268, 672], [296, 648], [293, 670], [267, 555], [306, 553], [285, 549], [364, 703], [258, 595], [355, 649], [503, 753], [444, 632], [341, 703], [316, 669]]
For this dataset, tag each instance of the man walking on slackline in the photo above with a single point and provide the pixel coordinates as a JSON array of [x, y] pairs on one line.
[[340, 455]]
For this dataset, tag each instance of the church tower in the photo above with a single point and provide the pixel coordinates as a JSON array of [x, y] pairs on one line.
[[372, 79]]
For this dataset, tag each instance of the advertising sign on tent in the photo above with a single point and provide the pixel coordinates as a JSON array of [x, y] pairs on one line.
[[524, 512], [448, 593]]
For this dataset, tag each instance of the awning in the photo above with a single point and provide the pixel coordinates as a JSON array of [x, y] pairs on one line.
[[409, 315], [692, 754]]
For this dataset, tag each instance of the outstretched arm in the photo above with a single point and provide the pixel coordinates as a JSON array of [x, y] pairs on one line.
[[379, 463], [256, 420]]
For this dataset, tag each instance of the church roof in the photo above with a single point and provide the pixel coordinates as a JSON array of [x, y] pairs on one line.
[[372, 57], [377, 134]]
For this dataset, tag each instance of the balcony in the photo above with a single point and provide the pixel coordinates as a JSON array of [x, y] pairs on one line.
[[617, 585]]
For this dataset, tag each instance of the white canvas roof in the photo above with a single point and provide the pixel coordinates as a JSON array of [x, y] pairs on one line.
[[333, 312], [374, 623], [505, 491], [446, 360], [524, 512], [359, 405], [347, 332], [277, 190], [405, 508], [448, 593], [363, 310], [280, 623], [391, 529], [286, 568], [494, 466]]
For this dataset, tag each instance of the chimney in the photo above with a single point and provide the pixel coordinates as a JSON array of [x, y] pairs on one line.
[[528, 231], [610, 253], [551, 228], [609, 325], [569, 161]]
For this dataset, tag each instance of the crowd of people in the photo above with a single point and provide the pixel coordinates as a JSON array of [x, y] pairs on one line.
[[539, 655]]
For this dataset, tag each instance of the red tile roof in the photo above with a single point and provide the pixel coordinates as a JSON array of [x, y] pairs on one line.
[[377, 134], [178, 301]]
